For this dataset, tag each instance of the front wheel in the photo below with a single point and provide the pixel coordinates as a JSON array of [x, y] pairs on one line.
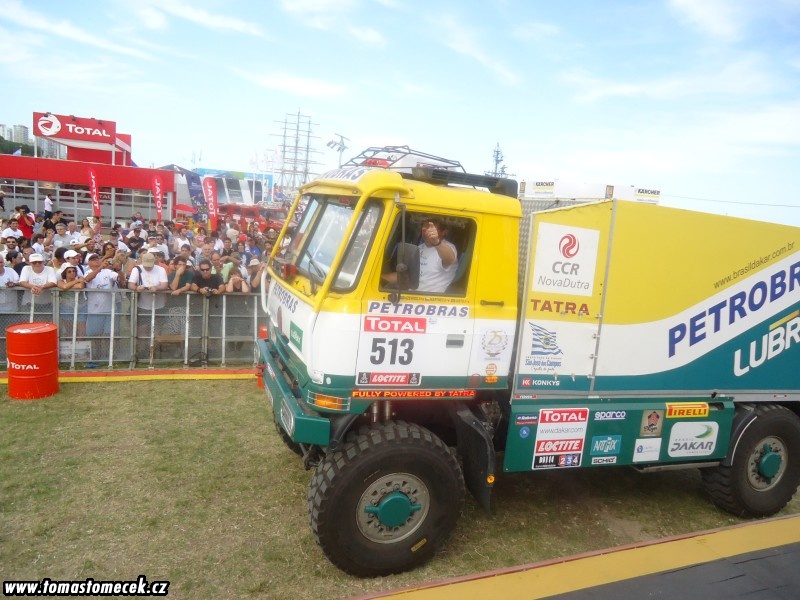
[[386, 501], [765, 470], [287, 441]]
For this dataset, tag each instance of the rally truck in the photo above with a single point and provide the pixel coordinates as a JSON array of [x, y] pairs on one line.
[[609, 334]]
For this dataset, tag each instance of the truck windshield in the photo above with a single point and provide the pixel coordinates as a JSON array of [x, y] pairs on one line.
[[321, 233]]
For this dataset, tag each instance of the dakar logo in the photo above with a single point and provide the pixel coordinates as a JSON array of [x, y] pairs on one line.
[[569, 246], [49, 124]]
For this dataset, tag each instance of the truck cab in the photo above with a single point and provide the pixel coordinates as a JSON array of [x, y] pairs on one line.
[[347, 318]]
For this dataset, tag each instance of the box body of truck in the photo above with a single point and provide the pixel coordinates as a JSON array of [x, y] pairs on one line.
[[658, 319]]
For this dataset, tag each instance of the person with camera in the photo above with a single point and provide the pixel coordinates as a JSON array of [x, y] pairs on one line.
[[205, 282], [148, 278]]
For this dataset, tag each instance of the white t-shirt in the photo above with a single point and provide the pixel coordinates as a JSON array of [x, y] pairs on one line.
[[150, 278], [433, 276], [8, 296], [48, 204], [8, 232], [48, 275], [101, 302]]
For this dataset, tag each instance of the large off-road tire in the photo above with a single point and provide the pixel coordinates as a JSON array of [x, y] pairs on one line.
[[387, 500], [765, 470]]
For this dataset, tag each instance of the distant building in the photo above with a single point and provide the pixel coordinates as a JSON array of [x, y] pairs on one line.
[[21, 134], [50, 149]]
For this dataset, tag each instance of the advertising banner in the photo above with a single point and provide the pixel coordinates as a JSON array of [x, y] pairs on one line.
[[210, 194], [158, 197], [62, 127], [94, 192]]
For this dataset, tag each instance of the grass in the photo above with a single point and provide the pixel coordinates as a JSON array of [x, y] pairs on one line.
[[189, 482]]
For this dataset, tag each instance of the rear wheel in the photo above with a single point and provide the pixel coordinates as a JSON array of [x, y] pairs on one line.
[[765, 470], [386, 501]]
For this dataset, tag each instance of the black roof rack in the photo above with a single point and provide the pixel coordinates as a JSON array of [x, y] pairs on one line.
[[496, 185], [420, 166], [400, 158]]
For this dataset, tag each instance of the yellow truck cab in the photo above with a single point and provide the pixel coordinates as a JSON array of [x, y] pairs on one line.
[[420, 320]]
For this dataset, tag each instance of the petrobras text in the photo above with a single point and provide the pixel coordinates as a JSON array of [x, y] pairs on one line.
[[286, 298], [738, 306], [419, 310]]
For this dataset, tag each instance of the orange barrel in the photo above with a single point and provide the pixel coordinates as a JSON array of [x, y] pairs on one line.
[[32, 351]]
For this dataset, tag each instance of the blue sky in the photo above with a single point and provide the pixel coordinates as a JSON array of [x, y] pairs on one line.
[[697, 98]]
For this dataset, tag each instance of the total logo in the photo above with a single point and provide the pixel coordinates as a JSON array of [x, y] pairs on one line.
[[20, 367], [49, 125]]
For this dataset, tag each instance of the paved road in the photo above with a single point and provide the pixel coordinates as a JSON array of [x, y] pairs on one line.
[[755, 561]]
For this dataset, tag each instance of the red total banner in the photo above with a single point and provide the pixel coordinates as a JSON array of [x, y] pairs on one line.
[[158, 197], [210, 194], [94, 192], [74, 128]]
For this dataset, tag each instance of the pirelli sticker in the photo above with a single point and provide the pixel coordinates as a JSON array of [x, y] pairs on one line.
[[412, 394], [687, 410]]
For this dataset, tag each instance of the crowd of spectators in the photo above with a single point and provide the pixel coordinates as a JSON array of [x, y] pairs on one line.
[[234, 252], [39, 252]]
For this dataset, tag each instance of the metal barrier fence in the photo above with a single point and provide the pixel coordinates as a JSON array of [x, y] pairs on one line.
[[126, 329]]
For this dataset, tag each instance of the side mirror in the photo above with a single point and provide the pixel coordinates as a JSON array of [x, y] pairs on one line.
[[407, 266]]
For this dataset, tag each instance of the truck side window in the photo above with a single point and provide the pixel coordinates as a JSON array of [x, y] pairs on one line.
[[445, 245]]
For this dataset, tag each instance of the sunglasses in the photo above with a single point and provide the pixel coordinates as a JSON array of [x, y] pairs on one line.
[[205, 270]]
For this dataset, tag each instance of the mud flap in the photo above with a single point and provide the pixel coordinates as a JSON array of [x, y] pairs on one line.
[[477, 451]]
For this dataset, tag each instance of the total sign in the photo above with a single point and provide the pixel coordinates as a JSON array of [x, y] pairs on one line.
[[74, 128], [566, 258], [560, 437]]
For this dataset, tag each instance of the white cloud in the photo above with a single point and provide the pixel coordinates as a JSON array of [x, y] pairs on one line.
[[150, 17], [14, 11], [535, 31], [462, 40], [318, 14], [202, 17], [296, 86], [368, 36], [721, 19], [745, 77]]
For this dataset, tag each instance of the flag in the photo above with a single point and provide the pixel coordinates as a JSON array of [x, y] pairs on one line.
[[543, 341], [210, 193], [158, 197], [17, 152], [94, 192]]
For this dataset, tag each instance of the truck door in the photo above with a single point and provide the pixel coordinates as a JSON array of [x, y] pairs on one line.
[[561, 316], [418, 343]]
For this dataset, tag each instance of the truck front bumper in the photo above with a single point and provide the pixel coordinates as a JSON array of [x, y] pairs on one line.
[[292, 414]]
